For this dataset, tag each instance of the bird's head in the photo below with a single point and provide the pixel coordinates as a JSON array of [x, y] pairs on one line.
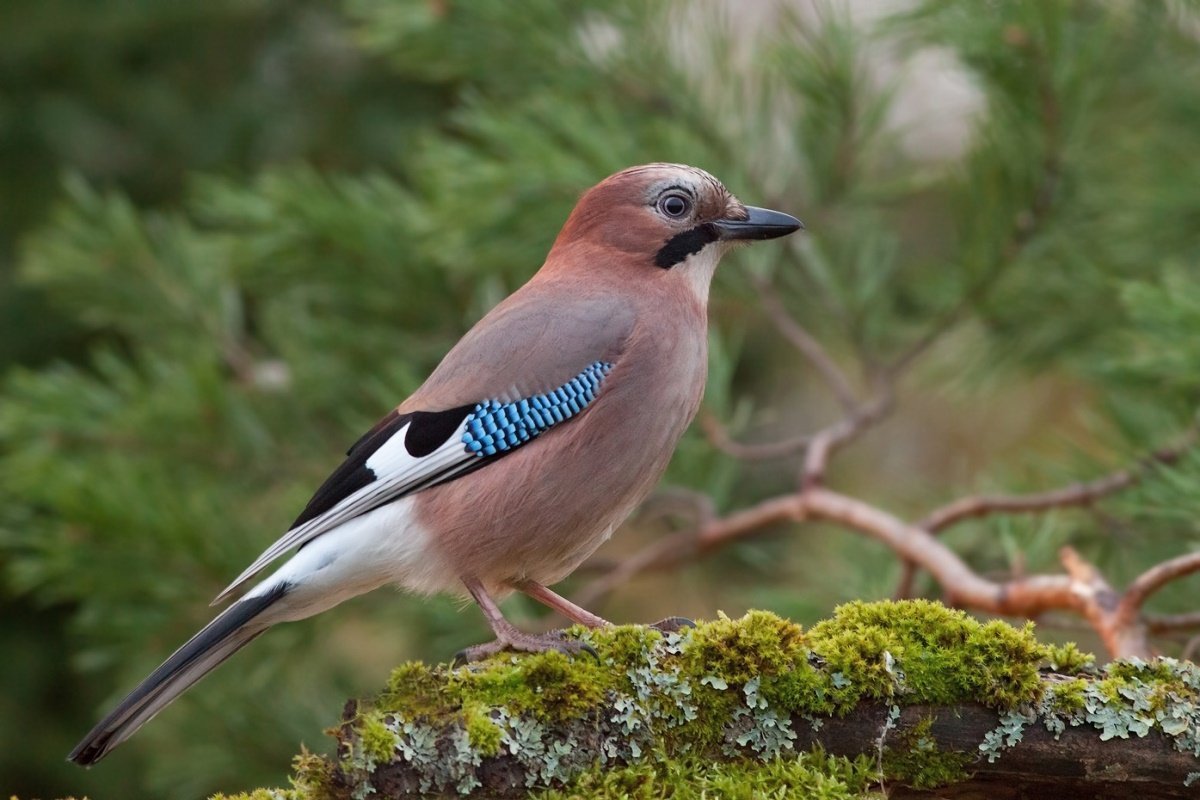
[[661, 218]]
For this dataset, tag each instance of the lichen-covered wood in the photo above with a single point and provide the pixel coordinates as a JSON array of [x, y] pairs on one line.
[[897, 695]]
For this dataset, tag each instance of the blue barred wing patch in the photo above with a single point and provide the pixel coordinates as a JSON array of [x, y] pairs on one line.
[[495, 427]]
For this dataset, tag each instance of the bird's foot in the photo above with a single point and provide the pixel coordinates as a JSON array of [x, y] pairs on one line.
[[524, 643], [672, 624]]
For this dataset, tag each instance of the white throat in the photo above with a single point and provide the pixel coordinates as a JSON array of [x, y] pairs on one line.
[[697, 270]]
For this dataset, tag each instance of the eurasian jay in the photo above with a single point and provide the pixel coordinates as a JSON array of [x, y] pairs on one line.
[[536, 436]]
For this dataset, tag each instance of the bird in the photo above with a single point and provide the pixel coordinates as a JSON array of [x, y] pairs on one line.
[[540, 431]]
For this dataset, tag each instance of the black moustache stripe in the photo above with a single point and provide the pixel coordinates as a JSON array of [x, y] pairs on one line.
[[685, 244]]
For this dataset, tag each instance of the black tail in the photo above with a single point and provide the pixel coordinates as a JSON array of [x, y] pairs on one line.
[[232, 630]]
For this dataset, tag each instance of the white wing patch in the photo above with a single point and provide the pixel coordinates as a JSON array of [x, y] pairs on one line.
[[397, 473]]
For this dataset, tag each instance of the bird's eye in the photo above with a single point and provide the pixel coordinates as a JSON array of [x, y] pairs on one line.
[[674, 205]]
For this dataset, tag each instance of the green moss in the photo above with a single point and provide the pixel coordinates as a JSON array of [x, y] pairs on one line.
[[377, 740], [621, 644], [724, 687], [413, 686], [1155, 680], [811, 776], [1162, 670], [312, 776], [759, 644], [549, 686], [910, 652], [483, 734], [1069, 659], [1067, 697], [915, 759], [937, 655]]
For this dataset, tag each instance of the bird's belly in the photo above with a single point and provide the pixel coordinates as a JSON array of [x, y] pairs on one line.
[[540, 532]]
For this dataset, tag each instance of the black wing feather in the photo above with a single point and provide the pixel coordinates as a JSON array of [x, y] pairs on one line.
[[427, 431]]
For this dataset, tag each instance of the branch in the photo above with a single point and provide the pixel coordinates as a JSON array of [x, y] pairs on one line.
[[1027, 597], [1076, 763], [646, 699], [1153, 579], [687, 545], [858, 415], [1075, 495]]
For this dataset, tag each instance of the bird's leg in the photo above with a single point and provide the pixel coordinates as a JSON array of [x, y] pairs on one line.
[[586, 618], [561, 604], [508, 637]]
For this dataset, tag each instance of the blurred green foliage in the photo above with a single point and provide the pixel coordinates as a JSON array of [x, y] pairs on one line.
[[233, 234]]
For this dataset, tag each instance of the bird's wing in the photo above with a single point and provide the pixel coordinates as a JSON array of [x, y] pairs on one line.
[[522, 370]]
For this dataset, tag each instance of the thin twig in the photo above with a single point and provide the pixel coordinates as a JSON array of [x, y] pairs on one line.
[[1168, 623], [719, 436], [1155, 578], [1189, 649], [828, 441], [677, 501], [1075, 495], [940, 328], [807, 344]]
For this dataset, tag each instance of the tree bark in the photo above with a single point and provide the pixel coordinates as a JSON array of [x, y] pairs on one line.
[[1076, 766]]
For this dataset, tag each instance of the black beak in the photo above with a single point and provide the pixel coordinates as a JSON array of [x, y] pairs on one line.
[[762, 223]]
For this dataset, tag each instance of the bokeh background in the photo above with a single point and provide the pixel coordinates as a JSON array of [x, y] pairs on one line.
[[233, 233]]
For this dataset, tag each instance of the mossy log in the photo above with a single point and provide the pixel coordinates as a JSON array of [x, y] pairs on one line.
[[910, 697], [1076, 764]]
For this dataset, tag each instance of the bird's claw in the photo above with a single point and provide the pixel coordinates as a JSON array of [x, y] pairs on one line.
[[525, 643]]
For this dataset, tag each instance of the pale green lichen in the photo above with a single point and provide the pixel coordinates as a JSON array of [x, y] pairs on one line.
[[1127, 698], [1010, 731], [731, 691]]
